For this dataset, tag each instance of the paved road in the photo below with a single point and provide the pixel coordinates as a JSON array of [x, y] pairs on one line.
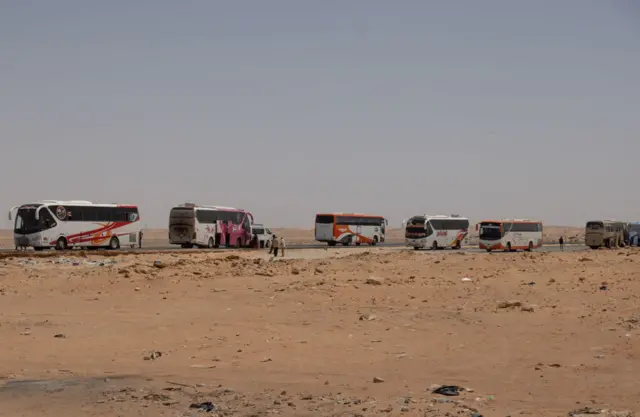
[[396, 246]]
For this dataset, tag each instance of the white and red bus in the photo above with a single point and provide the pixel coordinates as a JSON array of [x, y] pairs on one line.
[[209, 226], [78, 223], [348, 228], [436, 232], [510, 234]]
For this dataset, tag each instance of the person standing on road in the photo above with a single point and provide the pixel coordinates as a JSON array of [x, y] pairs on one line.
[[275, 245], [561, 241], [271, 244], [140, 239], [282, 244]]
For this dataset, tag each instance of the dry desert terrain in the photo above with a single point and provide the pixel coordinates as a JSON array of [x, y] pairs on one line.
[[322, 332]]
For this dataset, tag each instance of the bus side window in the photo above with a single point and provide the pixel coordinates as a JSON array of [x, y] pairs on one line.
[[429, 229], [246, 224], [46, 219]]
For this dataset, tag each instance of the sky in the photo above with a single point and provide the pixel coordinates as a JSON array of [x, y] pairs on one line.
[[288, 108]]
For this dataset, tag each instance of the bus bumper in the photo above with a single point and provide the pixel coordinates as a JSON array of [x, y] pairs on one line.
[[415, 243]]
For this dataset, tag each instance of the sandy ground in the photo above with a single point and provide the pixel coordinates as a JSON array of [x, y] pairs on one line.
[[320, 333], [159, 237]]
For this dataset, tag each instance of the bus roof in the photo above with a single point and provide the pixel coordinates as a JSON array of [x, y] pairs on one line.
[[207, 207], [349, 214], [511, 221], [81, 203]]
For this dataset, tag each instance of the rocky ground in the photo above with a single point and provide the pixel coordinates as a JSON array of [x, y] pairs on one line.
[[320, 333]]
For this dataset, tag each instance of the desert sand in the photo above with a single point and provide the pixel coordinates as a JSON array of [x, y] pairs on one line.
[[326, 332]]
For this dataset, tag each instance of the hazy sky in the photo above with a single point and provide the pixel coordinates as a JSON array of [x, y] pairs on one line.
[[287, 108]]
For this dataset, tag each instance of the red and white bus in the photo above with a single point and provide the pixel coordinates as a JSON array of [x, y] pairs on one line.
[[209, 226], [78, 223], [348, 228], [510, 234]]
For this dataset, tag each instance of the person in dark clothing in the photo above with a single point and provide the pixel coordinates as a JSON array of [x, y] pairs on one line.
[[140, 240], [275, 246], [561, 241]]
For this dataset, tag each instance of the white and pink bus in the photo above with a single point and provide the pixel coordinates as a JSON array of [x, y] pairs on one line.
[[78, 223], [209, 226]]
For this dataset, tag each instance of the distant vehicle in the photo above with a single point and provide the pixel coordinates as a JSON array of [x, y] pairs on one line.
[[510, 234], [209, 226], [263, 235], [634, 234], [348, 228], [66, 224], [606, 233], [436, 232]]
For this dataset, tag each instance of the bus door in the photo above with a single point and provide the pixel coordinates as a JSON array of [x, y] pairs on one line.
[[358, 233]]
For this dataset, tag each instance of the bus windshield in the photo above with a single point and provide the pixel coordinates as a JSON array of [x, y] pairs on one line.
[[490, 231], [595, 225], [324, 219], [26, 220]]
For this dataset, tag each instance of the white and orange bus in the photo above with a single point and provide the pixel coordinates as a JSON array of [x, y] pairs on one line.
[[348, 228], [510, 234]]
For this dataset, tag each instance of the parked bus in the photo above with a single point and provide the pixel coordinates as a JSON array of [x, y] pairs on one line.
[[67, 224], [348, 228], [634, 234], [606, 233], [209, 226], [510, 234], [436, 232]]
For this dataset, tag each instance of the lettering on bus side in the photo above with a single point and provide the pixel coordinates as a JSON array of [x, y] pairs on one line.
[[442, 233]]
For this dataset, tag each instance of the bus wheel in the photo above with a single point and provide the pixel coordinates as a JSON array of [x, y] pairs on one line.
[[530, 248], [61, 244], [211, 244], [331, 243], [357, 243], [595, 247], [416, 248], [374, 241], [38, 248], [114, 243], [186, 246], [435, 245]]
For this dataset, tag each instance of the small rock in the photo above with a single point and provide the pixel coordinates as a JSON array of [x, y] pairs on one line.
[[153, 356], [466, 279], [367, 317], [307, 397], [377, 380], [159, 264], [374, 281], [60, 336], [404, 409], [509, 304], [295, 271], [527, 308]]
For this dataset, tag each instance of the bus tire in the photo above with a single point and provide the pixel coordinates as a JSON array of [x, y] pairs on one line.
[[38, 248], [595, 247], [509, 247], [530, 248], [416, 248], [357, 243], [331, 243], [210, 244], [435, 245], [114, 243], [374, 241], [186, 246], [61, 244]]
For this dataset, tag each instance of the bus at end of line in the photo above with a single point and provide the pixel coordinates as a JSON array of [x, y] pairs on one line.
[[510, 235]]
